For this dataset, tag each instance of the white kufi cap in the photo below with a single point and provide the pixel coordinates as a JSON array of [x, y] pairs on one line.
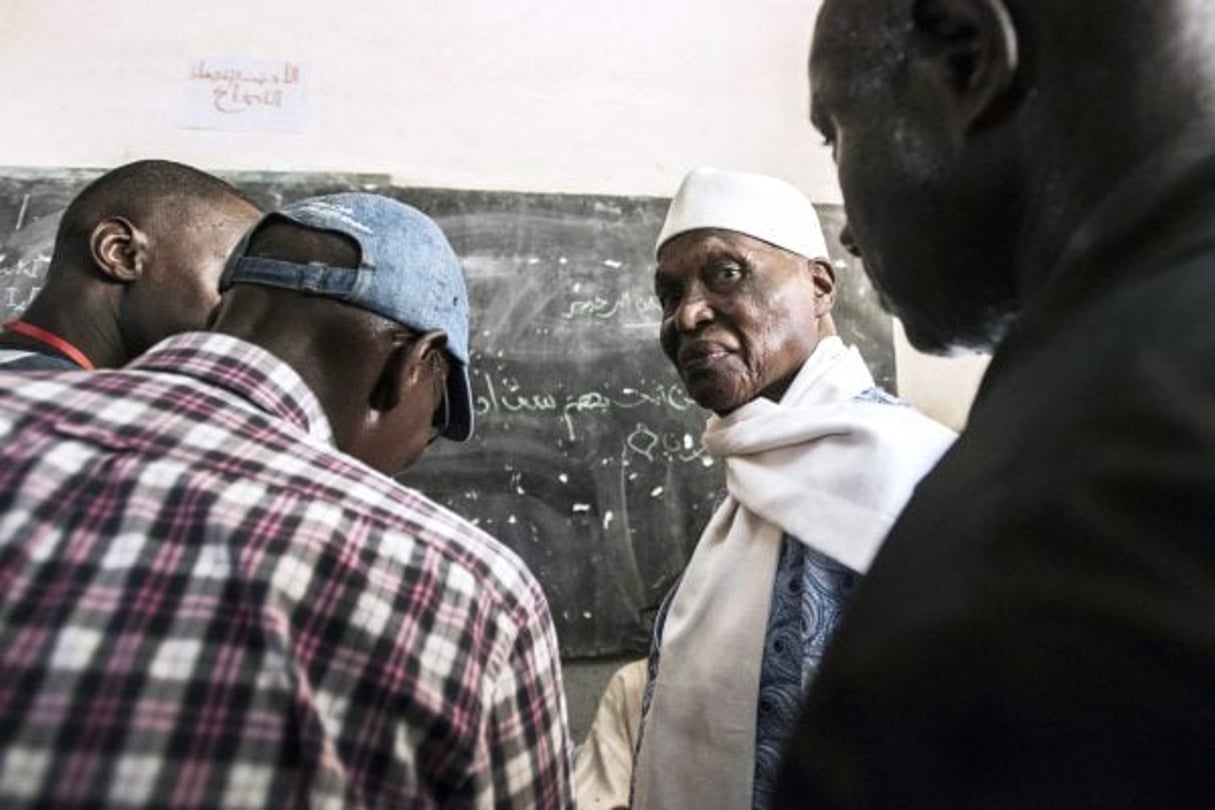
[[753, 204]]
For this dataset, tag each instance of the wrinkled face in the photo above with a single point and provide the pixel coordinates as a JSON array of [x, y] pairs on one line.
[[187, 246], [739, 316], [927, 211]]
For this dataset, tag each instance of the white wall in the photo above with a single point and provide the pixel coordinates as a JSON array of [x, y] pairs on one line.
[[538, 95], [527, 95]]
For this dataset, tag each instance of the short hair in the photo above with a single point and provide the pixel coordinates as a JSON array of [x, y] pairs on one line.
[[134, 191], [277, 237]]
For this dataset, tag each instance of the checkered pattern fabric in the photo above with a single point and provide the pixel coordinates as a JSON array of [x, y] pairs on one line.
[[203, 604]]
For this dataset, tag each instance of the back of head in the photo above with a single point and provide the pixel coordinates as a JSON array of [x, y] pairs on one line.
[[363, 296], [136, 191], [137, 259]]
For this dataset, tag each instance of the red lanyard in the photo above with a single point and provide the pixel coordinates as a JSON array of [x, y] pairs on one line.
[[51, 339]]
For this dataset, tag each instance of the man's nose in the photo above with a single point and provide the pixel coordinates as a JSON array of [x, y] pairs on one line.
[[693, 311], [849, 241]]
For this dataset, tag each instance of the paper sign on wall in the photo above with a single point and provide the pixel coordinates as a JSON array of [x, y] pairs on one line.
[[246, 94]]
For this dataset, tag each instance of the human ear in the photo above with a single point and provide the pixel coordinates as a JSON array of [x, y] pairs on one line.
[[119, 249], [403, 368], [823, 276], [970, 47]]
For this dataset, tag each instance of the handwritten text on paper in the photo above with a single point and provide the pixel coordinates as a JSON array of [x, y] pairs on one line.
[[244, 94]]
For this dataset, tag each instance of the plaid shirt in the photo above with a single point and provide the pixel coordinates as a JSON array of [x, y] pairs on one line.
[[203, 604]]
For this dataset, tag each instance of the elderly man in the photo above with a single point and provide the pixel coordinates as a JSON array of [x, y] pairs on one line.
[[818, 463], [1037, 630], [215, 596], [137, 258]]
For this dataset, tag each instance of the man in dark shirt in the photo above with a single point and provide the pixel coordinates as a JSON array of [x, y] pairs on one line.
[[1037, 178], [137, 258]]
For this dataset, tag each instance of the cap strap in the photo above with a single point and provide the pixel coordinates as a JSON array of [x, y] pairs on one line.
[[337, 282]]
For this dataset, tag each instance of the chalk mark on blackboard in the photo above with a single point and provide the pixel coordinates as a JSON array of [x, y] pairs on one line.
[[25, 205]]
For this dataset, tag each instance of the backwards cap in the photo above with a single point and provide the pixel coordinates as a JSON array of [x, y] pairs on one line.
[[753, 204], [407, 273]]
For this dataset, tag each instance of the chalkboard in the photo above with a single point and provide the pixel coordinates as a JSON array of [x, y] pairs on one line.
[[586, 459]]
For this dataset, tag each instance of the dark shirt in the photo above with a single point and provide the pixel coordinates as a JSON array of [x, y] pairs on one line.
[[1039, 628], [18, 355]]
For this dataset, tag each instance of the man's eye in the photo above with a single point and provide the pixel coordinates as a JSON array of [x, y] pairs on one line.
[[667, 299], [725, 273]]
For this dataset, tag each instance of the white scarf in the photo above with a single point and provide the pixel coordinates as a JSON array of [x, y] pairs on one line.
[[823, 468]]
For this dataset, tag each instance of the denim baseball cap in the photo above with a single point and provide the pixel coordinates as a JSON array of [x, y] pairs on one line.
[[407, 273]]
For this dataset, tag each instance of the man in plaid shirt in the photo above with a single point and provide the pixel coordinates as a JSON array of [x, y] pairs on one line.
[[204, 604]]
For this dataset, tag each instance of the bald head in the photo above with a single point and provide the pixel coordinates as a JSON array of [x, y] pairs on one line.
[[974, 137], [140, 191], [137, 259]]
